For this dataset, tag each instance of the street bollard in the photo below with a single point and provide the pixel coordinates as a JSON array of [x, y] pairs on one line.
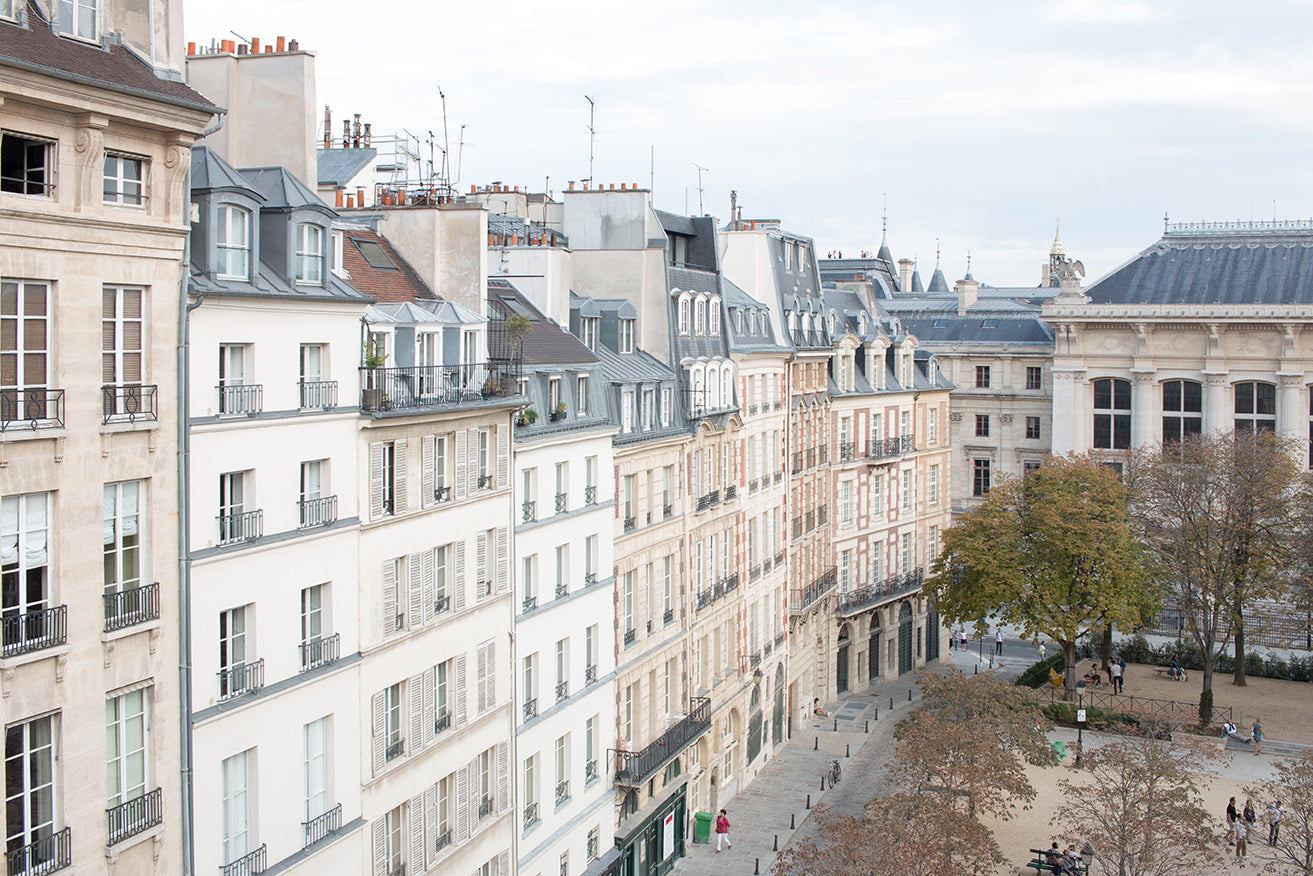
[[891, 702], [809, 801], [868, 725], [836, 725], [848, 750], [777, 843], [793, 821], [909, 694], [822, 784], [977, 669], [816, 745], [877, 716], [756, 871]]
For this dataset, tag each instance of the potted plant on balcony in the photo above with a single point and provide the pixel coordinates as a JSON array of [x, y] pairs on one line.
[[526, 417], [558, 413], [372, 392], [490, 388]]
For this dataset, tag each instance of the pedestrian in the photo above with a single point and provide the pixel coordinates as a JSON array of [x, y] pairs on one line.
[[961, 639], [722, 830], [1241, 839], [1231, 818], [1121, 662], [1115, 670], [1257, 735], [998, 640], [1273, 823], [1250, 815]]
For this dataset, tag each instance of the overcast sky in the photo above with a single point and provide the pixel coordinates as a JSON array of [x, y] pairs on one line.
[[979, 122]]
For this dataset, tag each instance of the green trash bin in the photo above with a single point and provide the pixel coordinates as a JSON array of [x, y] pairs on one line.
[[702, 827]]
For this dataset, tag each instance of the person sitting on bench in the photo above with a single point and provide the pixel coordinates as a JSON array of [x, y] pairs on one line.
[[1093, 677], [816, 708], [1229, 729]]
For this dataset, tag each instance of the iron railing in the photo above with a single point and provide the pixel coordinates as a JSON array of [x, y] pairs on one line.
[[129, 403], [1269, 624], [318, 395], [31, 408], [442, 721], [485, 807], [590, 673], [731, 491], [562, 503], [241, 679], [667, 511], [240, 526], [630, 524], [633, 768], [1181, 714], [668, 615], [441, 494], [888, 447], [562, 791], [248, 864], [395, 750], [846, 451], [562, 589], [530, 603], [131, 817], [46, 855], [531, 708], [562, 691], [126, 608], [590, 578], [322, 826], [590, 495], [529, 512], [425, 386], [316, 512], [530, 815], [441, 604], [590, 770], [630, 636], [320, 652], [803, 598], [33, 630], [444, 839], [240, 398], [893, 587], [753, 484]]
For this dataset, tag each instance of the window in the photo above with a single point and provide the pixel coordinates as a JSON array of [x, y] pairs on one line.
[[932, 427], [982, 425], [1032, 428], [713, 326], [590, 480], [1034, 377], [909, 490], [845, 584], [316, 768], [124, 180], [315, 507], [589, 330], [932, 486], [909, 554], [233, 238], [627, 605], [79, 18], [562, 569], [700, 316], [235, 523], [1255, 407], [235, 805], [665, 406], [127, 730], [383, 477], [530, 684], [234, 396], [649, 409], [846, 502], [562, 487], [1030, 465], [27, 165], [232, 652], [309, 254], [1182, 409], [982, 377], [591, 559], [627, 496], [931, 545], [980, 477], [437, 471], [24, 345], [1112, 414], [314, 627], [30, 755], [121, 350], [486, 676], [122, 552], [25, 572], [581, 394], [562, 668], [531, 789], [394, 744], [683, 315], [626, 336], [668, 587], [393, 851], [562, 769], [484, 460], [554, 393]]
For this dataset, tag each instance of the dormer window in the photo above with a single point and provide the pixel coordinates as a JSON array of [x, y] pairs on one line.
[[589, 330], [234, 243], [338, 240], [309, 254], [714, 326], [683, 314], [7, 9], [80, 18], [626, 336], [738, 321], [700, 323], [677, 249], [553, 392]]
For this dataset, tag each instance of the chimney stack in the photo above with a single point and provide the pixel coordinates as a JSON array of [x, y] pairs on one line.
[[328, 127], [966, 294], [905, 275]]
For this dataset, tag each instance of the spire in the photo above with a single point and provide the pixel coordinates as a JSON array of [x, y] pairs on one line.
[[884, 254], [937, 281], [968, 276], [1057, 249]]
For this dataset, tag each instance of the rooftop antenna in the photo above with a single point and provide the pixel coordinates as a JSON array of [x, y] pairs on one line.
[[651, 171], [701, 169], [460, 153], [446, 142], [592, 135]]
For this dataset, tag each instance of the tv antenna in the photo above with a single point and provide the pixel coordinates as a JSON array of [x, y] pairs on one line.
[[701, 170], [592, 135]]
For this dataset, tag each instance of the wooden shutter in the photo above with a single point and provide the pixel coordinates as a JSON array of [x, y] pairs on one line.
[[462, 804], [399, 476], [615, 496], [462, 467], [472, 467], [503, 456], [378, 741], [416, 814], [428, 705], [376, 480], [504, 862], [427, 455], [503, 560], [380, 828], [503, 776], [415, 705], [430, 826], [389, 597], [491, 684], [428, 585], [481, 679], [414, 590], [458, 598], [459, 692], [480, 564]]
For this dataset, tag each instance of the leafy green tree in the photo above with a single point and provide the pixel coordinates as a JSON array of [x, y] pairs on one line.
[[1051, 552], [1293, 788]]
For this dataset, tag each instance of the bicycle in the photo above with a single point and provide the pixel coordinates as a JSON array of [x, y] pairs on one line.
[[835, 773]]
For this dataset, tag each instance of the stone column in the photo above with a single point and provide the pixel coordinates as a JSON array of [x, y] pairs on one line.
[[1068, 415], [1291, 413], [1219, 413], [1146, 408]]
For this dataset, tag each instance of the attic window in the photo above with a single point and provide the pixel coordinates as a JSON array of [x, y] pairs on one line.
[[990, 323], [626, 336], [374, 254], [941, 323], [79, 18]]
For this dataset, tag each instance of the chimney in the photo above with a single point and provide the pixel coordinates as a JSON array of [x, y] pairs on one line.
[[360, 196], [341, 198], [346, 133], [905, 275], [191, 48], [255, 45], [966, 295], [293, 45], [282, 44], [368, 136], [355, 133], [328, 127]]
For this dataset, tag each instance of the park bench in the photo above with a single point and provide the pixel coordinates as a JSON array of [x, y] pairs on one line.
[[1042, 864], [1183, 675]]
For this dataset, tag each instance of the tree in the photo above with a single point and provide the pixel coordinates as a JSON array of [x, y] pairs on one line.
[[1217, 516], [1141, 808], [1052, 552], [1293, 787]]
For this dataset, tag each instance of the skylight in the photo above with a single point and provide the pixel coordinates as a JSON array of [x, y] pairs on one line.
[[374, 254]]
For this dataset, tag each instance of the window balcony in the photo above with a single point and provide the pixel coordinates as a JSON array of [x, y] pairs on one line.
[[444, 840], [630, 636], [562, 589], [893, 587], [562, 503], [731, 491], [316, 512], [562, 792], [241, 679], [33, 630], [442, 721], [31, 408], [435, 386], [441, 604], [590, 673], [590, 770], [803, 598], [530, 815], [823, 454], [318, 395], [668, 616], [562, 691], [630, 524], [753, 484], [847, 451], [247, 865], [485, 482], [528, 512], [752, 410], [320, 652], [485, 807], [888, 448], [667, 511], [779, 476], [590, 578], [322, 827], [133, 816], [129, 403], [127, 608], [240, 398], [633, 768], [394, 750], [822, 515], [811, 457], [441, 494], [239, 526], [590, 495], [48, 855], [530, 709], [530, 603], [797, 461], [779, 558]]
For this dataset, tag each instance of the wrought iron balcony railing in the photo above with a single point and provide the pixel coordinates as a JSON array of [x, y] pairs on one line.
[[562, 691], [320, 652], [322, 826], [247, 865], [131, 817], [530, 709], [127, 608], [46, 855], [668, 616], [318, 395], [316, 512], [485, 807], [530, 603], [530, 815], [590, 770], [590, 495], [239, 526], [893, 587], [801, 599], [31, 408], [240, 398], [562, 503], [633, 768], [425, 386], [630, 636], [888, 448], [562, 792], [731, 491], [33, 630], [562, 589], [129, 403], [590, 578], [528, 512], [241, 679], [394, 750], [590, 673], [847, 451], [630, 524], [442, 721]]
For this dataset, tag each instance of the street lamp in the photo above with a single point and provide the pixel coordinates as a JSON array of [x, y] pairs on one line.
[[1080, 721]]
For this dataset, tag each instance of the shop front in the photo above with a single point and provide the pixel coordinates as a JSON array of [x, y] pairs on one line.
[[651, 840]]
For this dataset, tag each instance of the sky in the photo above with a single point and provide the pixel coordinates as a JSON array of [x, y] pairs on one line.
[[977, 126]]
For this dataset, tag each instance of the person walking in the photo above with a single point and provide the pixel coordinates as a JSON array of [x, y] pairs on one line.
[[722, 831], [1115, 670], [998, 640], [1250, 814], [1241, 839], [1232, 817], [1121, 662], [1257, 735], [1273, 823]]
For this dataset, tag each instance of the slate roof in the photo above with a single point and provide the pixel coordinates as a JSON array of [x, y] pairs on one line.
[[546, 343], [37, 48], [976, 329], [937, 282], [210, 173], [395, 285], [283, 191], [1251, 265], [676, 223], [337, 167]]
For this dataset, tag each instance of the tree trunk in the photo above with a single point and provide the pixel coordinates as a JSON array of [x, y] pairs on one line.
[[1239, 653], [1105, 647], [1208, 671], [1069, 675]]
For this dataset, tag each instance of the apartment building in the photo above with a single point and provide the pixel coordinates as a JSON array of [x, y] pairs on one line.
[[95, 130]]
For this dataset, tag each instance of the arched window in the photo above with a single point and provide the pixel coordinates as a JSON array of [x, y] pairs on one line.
[[1182, 409], [1112, 414], [727, 385], [683, 314], [714, 328], [754, 725], [309, 254], [1255, 407], [234, 243], [713, 388], [700, 316]]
